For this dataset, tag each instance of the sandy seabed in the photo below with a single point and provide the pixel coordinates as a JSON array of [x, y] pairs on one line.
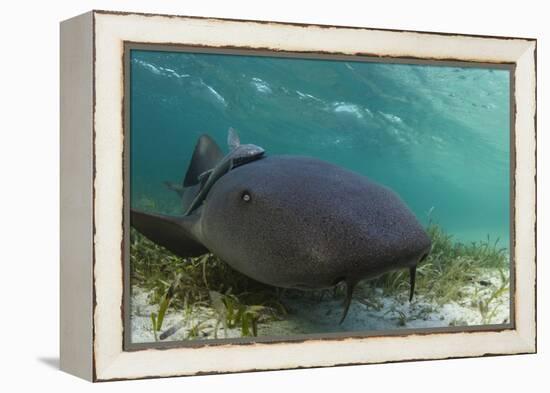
[[311, 314]]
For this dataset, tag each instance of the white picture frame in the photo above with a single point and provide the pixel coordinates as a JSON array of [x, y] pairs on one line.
[[92, 195]]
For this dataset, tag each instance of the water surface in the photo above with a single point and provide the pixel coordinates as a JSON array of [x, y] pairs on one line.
[[437, 135]]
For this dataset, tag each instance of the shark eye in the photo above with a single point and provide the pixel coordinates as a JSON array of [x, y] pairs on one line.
[[245, 196]]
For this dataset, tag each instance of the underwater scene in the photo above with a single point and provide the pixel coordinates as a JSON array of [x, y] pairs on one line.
[[283, 196]]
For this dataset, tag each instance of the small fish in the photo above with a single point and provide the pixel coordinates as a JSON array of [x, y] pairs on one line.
[[239, 155]]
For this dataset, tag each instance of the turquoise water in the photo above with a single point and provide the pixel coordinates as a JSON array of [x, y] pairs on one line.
[[438, 136]]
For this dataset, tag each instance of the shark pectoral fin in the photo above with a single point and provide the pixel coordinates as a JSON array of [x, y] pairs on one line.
[[412, 274], [233, 140], [350, 286], [205, 156], [173, 233]]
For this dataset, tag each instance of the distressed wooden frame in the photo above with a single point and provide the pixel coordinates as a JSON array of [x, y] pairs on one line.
[[172, 48], [92, 194]]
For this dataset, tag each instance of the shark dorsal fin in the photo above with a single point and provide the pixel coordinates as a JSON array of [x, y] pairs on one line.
[[233, 140], [205, 157]]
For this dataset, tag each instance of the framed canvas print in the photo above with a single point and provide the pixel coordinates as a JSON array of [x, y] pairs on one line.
[[245, 195]]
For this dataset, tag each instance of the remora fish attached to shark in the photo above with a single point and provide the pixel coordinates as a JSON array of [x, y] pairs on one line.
[[211, 157], [289, 221]]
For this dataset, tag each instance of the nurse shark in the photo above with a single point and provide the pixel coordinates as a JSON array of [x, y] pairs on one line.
[[288, 221]]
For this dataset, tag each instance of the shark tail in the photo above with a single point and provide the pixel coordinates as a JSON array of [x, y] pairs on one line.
[[176, 187]]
